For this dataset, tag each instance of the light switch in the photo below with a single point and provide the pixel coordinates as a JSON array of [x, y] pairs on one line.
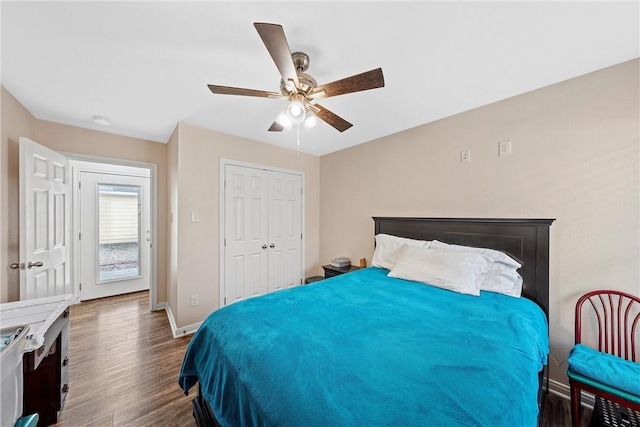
[[195, 216]]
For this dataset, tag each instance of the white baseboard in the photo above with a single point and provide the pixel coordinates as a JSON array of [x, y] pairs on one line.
[[563, 390], [180, 332]]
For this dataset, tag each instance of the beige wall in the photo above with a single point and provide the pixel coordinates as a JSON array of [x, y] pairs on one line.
[[575, 158], [172, 225], [198, 183], [16, 122]]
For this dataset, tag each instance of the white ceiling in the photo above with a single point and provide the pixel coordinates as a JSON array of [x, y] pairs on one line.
[[145, 65]]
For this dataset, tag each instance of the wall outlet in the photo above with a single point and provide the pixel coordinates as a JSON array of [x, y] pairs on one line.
[[194, 300], [465, 156], [504, 148]]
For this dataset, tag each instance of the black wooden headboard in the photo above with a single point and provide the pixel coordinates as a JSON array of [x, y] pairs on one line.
[[527, 240]]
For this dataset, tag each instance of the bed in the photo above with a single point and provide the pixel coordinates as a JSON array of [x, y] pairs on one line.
[[364, 348]]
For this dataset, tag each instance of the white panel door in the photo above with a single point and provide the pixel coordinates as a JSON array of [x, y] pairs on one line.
[[246, 233], [45, 204], [262, 232], [115, 234], [285, 230]]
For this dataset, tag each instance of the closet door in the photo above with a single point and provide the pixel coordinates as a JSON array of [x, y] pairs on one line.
[[246, 233], [263, 232], [285, 230]]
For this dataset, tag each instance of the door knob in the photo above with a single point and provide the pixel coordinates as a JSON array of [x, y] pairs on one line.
[[35, 264], [17, 266], [264, 246], [273, 245]]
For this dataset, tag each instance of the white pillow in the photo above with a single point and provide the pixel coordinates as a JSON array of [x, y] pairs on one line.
[[501, 278], [456, 271], [384, 255], [491, 253]]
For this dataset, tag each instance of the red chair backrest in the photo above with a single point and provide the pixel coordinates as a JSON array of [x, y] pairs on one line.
[[618, 322]]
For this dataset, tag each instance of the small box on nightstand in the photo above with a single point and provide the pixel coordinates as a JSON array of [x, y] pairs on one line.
[[330, 270]]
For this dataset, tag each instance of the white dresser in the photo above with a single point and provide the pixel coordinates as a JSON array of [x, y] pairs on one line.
[[46, 357]]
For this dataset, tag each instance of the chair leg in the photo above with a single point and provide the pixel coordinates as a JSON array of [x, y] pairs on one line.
[[575, 406]]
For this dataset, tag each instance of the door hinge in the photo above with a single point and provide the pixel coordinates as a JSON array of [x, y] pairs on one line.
[[300, 236], [80, 286], [79, 236], [225, 242], [225, 300], [79, 185]]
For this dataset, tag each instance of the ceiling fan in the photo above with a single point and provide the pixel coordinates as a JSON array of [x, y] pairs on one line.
[[299, 88]]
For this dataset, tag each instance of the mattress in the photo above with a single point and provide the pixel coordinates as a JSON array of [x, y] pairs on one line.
[[366, 349]]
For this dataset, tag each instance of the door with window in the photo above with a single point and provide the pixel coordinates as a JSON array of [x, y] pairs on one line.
[[262, 231], [115, 234]]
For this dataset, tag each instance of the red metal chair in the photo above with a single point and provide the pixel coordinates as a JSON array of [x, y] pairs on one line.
[[617, 315]]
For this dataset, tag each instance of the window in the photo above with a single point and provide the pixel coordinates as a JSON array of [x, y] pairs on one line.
[[119, 231]]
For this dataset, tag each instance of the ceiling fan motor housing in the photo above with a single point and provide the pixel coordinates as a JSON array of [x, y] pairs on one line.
[[307, 82]]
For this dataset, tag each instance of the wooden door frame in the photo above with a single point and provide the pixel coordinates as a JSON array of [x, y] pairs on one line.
[[153, 169], [221, 215]]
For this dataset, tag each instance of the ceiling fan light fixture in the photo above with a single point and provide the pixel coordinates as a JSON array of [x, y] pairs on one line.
[[283, 120], [296, 112], [310, 121]]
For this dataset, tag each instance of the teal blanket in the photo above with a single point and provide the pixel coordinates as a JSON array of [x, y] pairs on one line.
[[363, 349], [606, 368]]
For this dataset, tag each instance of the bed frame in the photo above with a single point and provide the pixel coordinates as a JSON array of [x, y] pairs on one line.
[[527, 240]]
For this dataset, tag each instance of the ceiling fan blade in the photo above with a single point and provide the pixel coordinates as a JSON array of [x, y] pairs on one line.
[[276, 127], [334, 120], [364, 81], [228, 90], [273, 37]]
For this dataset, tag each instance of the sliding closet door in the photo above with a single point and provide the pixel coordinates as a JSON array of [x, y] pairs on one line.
[[262, 231], [285, 230]]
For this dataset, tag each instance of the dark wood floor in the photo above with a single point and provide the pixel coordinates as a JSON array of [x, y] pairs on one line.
[[124, 366]]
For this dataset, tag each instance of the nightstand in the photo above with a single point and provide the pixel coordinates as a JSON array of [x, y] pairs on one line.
[[330, 270]]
